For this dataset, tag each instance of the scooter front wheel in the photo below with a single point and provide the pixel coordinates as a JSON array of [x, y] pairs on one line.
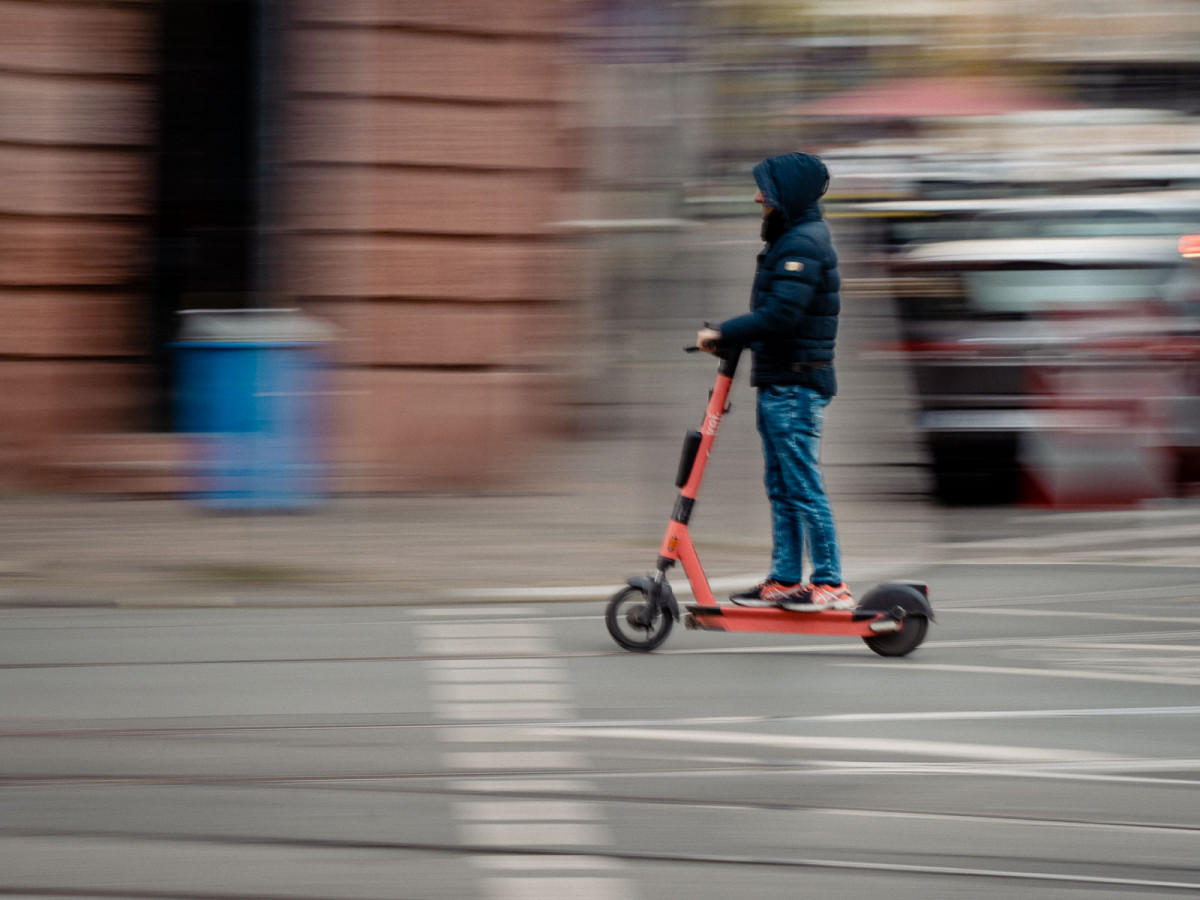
[[633, 623]]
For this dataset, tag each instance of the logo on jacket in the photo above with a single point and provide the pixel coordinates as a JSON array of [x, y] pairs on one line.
[[793, 266]]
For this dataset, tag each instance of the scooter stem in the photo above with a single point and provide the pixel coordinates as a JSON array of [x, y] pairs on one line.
[[677, 542], [718, 404]]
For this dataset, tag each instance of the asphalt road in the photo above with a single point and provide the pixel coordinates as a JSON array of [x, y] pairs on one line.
[[1041, 743]]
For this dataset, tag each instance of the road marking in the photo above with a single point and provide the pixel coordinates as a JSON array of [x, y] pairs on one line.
[[488, 664], [503, 690], [511, 646], [1082, 644], [1008, 714], [1042, 673], [485, 630], [480, 688], [864, 745], [535, 834], [530, 810], [558, 888], [503, 710], [491, 676], [1074, 613], [513, 862], [481, 611], [1016, 820], [488, 734], [1165, 592], [1081, 539], [507, 783], [516, 759], [885, 717], [1047, 772]]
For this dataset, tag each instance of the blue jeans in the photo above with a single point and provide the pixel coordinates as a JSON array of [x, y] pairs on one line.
[[789, 421]]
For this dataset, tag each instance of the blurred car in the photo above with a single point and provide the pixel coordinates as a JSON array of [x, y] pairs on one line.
[[1053, 343]]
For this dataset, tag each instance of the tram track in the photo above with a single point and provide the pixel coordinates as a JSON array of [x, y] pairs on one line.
[[1162, 879], [490, 785], [790, 649]]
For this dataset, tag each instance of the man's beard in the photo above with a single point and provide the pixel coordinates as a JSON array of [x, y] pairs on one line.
[[773, 225]]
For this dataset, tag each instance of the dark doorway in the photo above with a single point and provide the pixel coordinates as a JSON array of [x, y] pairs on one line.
[[210, 148]]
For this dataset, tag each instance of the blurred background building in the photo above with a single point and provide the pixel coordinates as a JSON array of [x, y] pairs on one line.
[[485, 199]]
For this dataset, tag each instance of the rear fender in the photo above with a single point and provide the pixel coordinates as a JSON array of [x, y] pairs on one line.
[[667, 598], [911, 598]]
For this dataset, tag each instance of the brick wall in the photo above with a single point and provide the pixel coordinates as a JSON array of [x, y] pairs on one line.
[[76, 98], [424, 161]]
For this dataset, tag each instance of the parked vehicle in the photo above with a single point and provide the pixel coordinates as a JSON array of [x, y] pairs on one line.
[[1054, 343]]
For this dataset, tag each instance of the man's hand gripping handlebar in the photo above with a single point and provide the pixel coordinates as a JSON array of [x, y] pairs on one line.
[[706, 339]]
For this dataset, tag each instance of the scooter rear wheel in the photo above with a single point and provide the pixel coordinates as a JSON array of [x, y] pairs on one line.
[[624, 620], [902, 642]]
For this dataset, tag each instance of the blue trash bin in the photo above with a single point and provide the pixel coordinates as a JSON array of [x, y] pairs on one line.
[[250, 396]]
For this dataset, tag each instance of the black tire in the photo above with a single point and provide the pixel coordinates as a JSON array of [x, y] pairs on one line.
[[621, 615], [902, 642]]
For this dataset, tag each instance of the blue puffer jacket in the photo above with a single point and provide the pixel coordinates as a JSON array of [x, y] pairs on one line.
[[794, 304]]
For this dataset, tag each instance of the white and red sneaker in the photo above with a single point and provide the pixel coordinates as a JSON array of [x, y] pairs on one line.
[[763, 593], [815, 597]]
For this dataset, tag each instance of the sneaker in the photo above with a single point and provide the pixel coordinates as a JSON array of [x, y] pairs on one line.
[[763, 593], [815, 597]]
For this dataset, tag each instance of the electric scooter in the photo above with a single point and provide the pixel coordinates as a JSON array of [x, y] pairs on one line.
[[892, 618]]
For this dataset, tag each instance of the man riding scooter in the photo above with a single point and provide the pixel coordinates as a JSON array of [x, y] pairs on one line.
[[792, 329]]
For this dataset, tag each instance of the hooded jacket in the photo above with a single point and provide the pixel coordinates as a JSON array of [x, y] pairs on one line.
[[794, 302]]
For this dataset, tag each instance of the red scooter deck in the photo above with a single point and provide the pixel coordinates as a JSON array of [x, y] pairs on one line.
[[837, 622]]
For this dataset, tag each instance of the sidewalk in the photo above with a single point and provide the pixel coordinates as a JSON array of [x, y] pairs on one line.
[[577, 540]]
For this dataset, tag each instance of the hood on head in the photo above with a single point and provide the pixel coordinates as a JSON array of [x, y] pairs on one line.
[[792, 182]]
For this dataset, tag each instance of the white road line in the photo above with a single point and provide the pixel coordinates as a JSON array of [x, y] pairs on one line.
[[998, 820], [521, 691], [490, 665], [1042, 673], [1116, 645], [535, 834], [516, 760], [1008, 714], [487, 734], [506, 675], [1162, 592], [487, 630], [558, 889], [814, 769], [1078, 614], [509, 646], [529, 810], [1085, 540], [501, 711], [483, 689], [500, 782], [516, 863], [849, 744], [1061, 640], [481, 611], [949, 715]]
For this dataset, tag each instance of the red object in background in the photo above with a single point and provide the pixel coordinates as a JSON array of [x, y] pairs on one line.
[[914, 98]]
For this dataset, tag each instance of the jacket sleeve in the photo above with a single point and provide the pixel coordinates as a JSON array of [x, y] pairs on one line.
[[786, 286]]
